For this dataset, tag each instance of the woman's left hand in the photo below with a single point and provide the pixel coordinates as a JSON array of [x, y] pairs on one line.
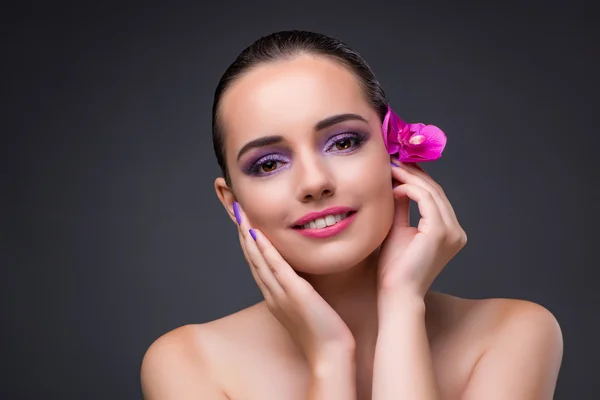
[[411, 258]]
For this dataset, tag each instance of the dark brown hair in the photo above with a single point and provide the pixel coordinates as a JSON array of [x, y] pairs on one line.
[[286, 45]]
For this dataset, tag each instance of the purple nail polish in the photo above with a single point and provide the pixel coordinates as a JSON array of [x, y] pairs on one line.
[[236, 211], [253, 234]]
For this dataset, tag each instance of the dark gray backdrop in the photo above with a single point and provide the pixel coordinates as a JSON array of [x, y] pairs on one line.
[[116, 236]]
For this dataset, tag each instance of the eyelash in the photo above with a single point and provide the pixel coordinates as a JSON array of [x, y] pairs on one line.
[[357, 140]]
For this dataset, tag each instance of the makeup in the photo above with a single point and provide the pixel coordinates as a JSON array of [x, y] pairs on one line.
[[265, 164], [326, 223], [236, 212], [270, 160], [329, 231], [345, 142]]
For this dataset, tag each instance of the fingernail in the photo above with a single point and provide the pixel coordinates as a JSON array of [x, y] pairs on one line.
[[236, 211], [253, 234]]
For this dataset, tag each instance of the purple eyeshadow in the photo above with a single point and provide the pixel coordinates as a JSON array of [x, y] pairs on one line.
[[252, 167], [254, 163], [357, 137]]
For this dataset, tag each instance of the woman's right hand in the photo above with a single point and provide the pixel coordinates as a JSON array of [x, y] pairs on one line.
[[311, 322]]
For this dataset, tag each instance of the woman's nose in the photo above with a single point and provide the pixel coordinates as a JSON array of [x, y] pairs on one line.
[[314, 181]]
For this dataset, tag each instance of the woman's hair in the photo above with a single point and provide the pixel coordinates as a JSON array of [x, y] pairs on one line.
[[286, 45]]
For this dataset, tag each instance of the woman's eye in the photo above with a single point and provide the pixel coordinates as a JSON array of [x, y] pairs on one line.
[[343, 144], [268, 166], [346, 143]]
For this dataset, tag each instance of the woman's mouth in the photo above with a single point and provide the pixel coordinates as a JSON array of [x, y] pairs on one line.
[[324, 222], [325, 227]]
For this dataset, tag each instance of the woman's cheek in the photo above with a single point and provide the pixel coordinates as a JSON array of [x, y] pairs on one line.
[[369, 174], [267, 207], [375, 183]]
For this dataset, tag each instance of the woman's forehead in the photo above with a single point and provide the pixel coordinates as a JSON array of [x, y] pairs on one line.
[[290, 95]]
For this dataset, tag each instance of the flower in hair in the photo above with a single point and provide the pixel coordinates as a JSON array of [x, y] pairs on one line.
[[412, 142]]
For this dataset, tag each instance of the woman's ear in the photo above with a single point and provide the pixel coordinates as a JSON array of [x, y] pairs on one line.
[[226, 196]]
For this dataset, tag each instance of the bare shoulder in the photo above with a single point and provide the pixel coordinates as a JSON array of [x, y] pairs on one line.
[[491, 317], [190, 361], [176, 366], [516, 345]]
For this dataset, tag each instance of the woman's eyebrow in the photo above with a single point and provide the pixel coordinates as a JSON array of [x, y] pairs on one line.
[[276, 139], [260, 142], [336, 119]]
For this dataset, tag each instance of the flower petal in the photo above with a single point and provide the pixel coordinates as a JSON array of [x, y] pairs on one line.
[[406, 133], [422, 143], [385, 126], [391, 126], [412, 142]]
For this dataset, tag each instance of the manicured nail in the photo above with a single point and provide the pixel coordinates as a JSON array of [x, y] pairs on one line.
[[236, 211], [253, 234]]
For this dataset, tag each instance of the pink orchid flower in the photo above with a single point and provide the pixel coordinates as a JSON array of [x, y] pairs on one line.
[[412, 142]]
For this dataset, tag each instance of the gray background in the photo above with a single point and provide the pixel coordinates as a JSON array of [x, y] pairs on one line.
[[113, 235]]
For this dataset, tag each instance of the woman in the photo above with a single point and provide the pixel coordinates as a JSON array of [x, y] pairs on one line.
[[318, 173]]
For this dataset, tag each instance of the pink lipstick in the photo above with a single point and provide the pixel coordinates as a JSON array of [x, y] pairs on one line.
[[326, 223]]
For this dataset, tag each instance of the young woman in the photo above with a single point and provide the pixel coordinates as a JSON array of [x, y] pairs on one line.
[[318, 173]]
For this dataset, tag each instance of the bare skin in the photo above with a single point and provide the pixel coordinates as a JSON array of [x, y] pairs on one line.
[[248, 355], [351, 316]]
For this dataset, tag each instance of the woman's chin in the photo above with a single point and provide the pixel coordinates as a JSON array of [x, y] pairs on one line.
[[331, 262]]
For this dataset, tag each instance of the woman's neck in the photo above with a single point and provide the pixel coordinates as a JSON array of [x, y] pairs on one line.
[[353, 295]]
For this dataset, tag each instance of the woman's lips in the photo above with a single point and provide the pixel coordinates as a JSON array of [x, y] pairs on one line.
[[322, 214], [328, 231]]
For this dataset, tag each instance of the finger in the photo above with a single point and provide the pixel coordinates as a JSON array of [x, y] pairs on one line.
[[457, 233], [261, 267], [256, 259], [261, 285], [416, 170], [428, 208], [280, 268], [411, 174], [401, 205], [396, 160], [419, 171]]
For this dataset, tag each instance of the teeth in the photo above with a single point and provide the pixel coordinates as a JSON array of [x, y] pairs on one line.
[[329, 220]]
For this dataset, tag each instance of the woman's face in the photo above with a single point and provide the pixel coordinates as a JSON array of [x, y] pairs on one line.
[[289, 155]]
